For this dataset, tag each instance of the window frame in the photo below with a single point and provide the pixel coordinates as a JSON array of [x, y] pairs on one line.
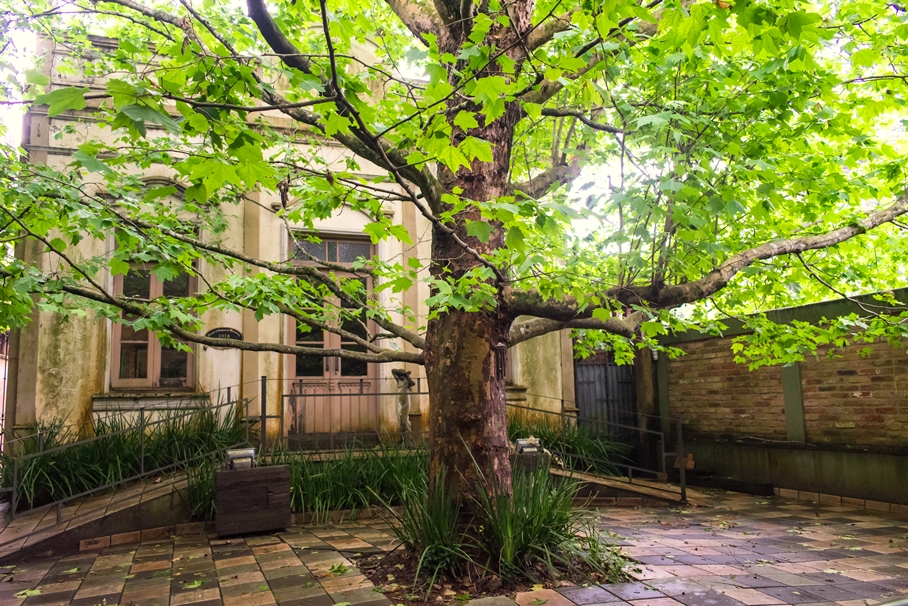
[[329, 338], [151, 383]]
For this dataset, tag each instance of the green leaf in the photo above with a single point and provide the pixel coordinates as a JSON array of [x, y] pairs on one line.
[[26, 593], [453, 158], [36, 77], [515, 238], [90, 162], [143, 113], [476, 148], [400, 233], [864, 57], [651, 329], [480, 229], [63, 99], [335, 123], [465, 120]]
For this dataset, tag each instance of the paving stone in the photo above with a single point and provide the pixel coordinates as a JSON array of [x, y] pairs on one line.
[[108, 598], [550, 597], [302, 581], [498, 600], [362, 597], [792, 595], [706, 598], [588, 595], [634, 591], [230, 591], [322, 600], [676, 587]]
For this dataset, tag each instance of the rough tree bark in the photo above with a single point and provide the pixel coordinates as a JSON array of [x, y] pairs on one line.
[[466, 351]]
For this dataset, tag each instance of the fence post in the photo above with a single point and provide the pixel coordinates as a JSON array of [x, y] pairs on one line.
[[264, 421], [682, 462], [12, 509], [40, 441], [142, 441], [246, 417], [228, 394]]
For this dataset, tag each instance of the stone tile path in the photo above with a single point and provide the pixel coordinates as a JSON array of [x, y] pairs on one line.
[[756, 550], [743, 551], [301, 567]]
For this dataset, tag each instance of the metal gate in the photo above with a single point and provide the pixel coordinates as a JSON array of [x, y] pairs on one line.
[[605, 396]]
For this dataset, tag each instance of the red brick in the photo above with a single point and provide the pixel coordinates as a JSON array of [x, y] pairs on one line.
[[125, 538], [92, 544]]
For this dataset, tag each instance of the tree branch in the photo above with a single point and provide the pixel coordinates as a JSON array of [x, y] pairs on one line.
[[536, 327], [544, 32], [560, 173], [420, 18], [672, 296], [574, 113]]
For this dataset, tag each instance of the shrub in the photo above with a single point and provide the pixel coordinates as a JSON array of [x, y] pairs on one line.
[[534, 535], [71, 465], [349, 479], [580, 447], [430, 527], [537, 533]]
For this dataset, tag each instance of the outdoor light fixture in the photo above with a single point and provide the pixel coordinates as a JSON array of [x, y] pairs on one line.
[[240, 458]]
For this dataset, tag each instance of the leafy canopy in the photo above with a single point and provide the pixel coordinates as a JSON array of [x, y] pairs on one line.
[[723, 157]]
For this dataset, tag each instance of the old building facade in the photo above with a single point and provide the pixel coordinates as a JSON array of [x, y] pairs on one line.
[[71, 368]]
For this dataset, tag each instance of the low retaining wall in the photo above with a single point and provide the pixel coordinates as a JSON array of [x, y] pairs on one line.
[[867, 476]]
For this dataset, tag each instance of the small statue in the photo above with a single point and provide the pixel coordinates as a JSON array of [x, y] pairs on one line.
[[404, 384]]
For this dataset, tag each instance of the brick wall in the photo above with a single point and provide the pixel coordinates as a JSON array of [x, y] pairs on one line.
[[855, 400], [718, 397]]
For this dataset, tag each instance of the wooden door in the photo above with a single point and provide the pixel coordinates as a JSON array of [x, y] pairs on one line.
[[332, 395]]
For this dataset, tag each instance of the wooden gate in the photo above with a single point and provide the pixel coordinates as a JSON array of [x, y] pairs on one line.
[[605, 396]]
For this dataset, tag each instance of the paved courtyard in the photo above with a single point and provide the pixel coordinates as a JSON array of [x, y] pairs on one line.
[[743, 550]]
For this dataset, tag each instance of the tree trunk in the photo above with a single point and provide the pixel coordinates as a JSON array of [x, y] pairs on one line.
[[465, 354]]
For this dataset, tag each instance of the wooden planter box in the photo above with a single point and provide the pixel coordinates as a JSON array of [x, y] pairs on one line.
[[252, 500]]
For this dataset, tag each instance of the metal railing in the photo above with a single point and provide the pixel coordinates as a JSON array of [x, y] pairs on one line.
[[660, 474], [144, 427], [336, 413]]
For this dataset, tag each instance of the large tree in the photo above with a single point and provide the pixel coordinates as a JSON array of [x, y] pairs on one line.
[[585, 165]]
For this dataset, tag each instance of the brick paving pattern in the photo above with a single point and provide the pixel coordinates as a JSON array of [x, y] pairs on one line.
[[744, 550]]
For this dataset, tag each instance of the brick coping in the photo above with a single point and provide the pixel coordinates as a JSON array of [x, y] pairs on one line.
[[830, 499]]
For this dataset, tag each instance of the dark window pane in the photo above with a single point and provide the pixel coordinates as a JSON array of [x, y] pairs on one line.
[[309, 366], [353, 325], [174, 365], [177, 287], [359, 293], [128, 333], [354, 368], [316, 250], [133, 361], [332, 251], [313, 335], [137, 283], [348, 252]]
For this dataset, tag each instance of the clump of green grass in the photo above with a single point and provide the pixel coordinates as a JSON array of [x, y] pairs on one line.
[[63, 463], [350, 479], [580, 448], [535, 533]]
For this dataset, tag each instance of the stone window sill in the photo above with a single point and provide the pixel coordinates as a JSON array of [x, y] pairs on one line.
[[127, 401]]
